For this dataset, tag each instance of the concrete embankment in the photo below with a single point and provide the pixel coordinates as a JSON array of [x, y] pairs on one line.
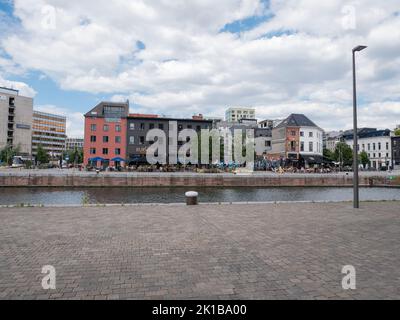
[[89, 179]]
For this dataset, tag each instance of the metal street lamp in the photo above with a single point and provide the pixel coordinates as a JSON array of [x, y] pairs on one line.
[[355, 132]]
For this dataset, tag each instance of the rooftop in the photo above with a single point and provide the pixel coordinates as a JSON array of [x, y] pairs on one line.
[[297, 120]]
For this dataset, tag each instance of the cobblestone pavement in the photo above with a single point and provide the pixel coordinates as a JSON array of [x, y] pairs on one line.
[[255, 251]]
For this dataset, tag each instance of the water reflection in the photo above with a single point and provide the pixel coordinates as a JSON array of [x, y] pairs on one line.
[[70, 196]]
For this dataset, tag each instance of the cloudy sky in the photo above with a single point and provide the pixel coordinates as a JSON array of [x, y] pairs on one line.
[[181, 57]]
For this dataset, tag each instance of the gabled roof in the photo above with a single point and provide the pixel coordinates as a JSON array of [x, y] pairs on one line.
[[297, 120]]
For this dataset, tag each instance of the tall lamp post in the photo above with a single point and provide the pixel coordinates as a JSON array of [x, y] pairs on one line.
[[355, 132]]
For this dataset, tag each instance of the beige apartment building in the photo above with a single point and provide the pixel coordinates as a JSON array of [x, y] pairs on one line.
[[16, 121], [49, 130], [237, 113]]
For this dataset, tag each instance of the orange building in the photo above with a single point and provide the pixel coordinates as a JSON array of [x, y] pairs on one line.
[[105, 135]]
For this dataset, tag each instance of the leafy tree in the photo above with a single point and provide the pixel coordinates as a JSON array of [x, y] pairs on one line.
[[364, 159], [329, 154], [75, 156], [343, 154], [41, 155], [7, 154], [397, 132]]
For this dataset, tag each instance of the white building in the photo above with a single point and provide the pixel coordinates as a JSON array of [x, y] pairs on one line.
[[16, 121], [377, 144], [298, 140], [237, 113], [74, 143]]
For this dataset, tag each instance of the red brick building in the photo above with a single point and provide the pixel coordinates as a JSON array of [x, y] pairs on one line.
[[105, 135]]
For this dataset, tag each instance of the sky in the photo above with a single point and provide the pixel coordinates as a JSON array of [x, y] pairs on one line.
[[180, 58]]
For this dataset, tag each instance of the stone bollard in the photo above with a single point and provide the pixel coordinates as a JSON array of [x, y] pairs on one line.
[[192, 198]]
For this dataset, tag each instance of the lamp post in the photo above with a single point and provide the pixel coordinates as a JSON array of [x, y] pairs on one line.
[[355, 132]]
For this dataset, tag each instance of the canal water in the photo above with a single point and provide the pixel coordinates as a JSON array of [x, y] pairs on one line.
[[78, 196]]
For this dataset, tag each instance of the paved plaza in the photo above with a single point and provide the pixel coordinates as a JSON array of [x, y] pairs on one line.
[[252, 251]]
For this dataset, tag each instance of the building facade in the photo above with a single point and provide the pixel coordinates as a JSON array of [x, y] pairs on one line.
[[396, 153], [49, 131], [237, 113], [105, 135], [297, 140], [138, 127], [16, 121], [74, 143], [376, 143]]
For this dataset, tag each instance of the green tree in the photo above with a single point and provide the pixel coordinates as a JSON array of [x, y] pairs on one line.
[[364, 159], [41, 155], [328, 154], [75, 156], [7, 154], [397, 132], [343, 154]]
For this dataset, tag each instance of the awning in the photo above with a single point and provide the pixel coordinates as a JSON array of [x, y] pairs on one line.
[[313, 159], [96, 159], [119, 159], [138, 159]]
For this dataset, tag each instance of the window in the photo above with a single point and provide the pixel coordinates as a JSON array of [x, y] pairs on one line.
[[379, 155], [198, 128], [180, 127], [142, 126], [118, 128], [379, 146], [131, 126], [117, 151], [369, 146], [105, 127], [92, 150], [387, 145], [293, 133], [105, 150], [141, 140], [161, 126], [268, 143], [311, 146], [131, 140], [93, 127], [151, 126], [363, 146], [302, 146], [301, 133], [117, 139], [92, 138], [105, 139], [311, 134], [374, 146]]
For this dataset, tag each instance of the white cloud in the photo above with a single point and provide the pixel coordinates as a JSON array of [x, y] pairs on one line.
[[188, 66], [24, 89]]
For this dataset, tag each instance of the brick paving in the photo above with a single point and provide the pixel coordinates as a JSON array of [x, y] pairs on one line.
[[254, 251]]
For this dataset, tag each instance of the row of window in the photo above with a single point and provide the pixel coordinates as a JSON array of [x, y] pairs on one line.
[[374, 146], [106, 139], [142, 126], [106, 127], [373, 155], [117, 151], [302, 134]]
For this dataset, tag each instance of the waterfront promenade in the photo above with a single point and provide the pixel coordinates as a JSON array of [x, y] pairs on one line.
[[253, 251], [76, 178]]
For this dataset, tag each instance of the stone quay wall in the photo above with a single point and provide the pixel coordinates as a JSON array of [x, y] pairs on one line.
[[86, 179]]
